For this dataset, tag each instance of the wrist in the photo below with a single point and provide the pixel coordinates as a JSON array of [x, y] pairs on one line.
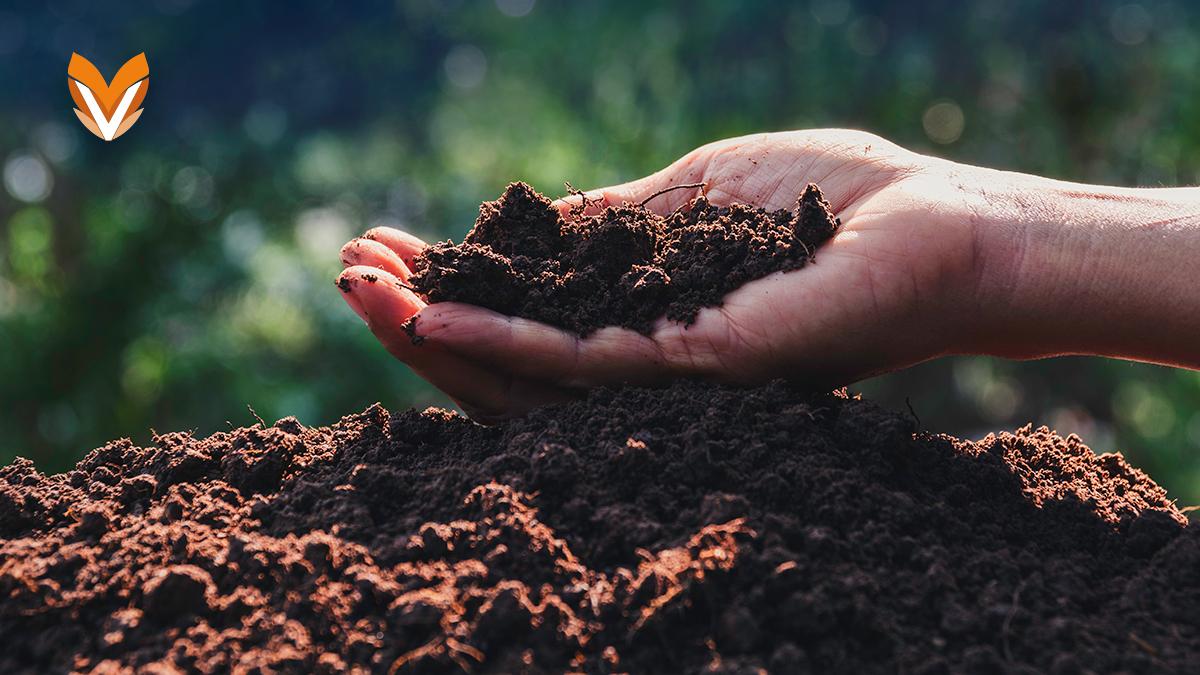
[[1064, 268]]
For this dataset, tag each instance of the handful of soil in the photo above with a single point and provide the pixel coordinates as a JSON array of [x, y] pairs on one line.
[[626, 266]]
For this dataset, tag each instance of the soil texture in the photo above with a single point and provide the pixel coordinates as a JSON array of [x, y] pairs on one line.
[[692, 529], [626, 266]]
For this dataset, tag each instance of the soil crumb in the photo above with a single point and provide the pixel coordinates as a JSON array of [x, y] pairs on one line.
[[692, 529], [626, 266]]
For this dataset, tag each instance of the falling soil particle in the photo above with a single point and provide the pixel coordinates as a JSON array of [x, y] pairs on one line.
[[696, 528], [626, 266]]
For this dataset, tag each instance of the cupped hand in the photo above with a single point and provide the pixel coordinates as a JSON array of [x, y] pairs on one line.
[[882, 294]]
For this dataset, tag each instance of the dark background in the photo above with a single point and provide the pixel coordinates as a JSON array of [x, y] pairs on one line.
[[170, 278]]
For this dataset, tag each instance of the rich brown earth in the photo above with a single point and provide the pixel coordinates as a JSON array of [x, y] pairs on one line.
[[697, 528], [690, 529], [626, 266]]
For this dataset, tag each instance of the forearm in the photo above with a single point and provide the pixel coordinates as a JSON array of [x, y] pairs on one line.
[[1064, 268]]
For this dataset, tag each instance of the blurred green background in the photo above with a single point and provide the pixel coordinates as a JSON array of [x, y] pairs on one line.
[[170, 278]]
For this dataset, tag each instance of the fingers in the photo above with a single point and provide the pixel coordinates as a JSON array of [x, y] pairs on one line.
[[523, 395], [530, 349], [374, 254], [378, 264], [379, 298], [403, 244]]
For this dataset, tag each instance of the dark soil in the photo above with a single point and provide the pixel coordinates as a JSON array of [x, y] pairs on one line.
[[626, 266], [691, 529]]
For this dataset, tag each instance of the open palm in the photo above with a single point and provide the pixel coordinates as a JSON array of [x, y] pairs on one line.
[[870, 303]]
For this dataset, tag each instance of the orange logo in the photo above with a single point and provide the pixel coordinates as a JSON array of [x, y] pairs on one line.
[[108, 109]]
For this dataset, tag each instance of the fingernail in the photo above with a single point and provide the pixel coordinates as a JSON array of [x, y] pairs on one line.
[[347, 287], [349, 252]]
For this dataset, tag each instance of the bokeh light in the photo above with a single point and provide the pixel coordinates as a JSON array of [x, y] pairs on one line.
[[515, 8], [943, 122], [27, 178], [466, 66]]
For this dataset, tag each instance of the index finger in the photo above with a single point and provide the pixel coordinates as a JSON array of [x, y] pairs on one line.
[[531, 349], [405, 245]]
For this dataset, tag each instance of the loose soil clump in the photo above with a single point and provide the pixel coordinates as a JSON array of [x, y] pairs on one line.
[[697, 528], [626, 266]]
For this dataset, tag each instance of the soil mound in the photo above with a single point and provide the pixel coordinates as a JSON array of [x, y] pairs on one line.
[[626, 266], [696, 528]]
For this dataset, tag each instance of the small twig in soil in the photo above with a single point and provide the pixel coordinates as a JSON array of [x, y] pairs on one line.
[[456, 650], [584, 202], [415, 654], [665, 190], [1145, 646], [1016, 604], [260, 420], [912, 412], [808, 253]]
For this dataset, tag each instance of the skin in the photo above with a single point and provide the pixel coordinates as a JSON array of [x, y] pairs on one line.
[[934, 258]]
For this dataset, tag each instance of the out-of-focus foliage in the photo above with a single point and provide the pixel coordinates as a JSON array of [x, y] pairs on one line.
[[172, 277]]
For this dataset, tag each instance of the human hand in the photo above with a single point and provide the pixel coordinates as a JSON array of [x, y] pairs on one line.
[[933, 258], [874, 301]]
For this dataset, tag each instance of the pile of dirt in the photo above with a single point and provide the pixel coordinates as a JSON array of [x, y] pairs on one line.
[[626, 266], [696, 528]]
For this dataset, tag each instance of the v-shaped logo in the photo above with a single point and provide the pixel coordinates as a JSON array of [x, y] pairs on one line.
[[108, 109]]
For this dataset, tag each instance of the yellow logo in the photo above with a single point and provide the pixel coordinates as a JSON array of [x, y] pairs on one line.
[[108, 109]]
